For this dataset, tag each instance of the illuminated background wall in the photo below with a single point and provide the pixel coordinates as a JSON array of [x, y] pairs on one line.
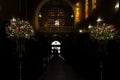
[[25, 9]]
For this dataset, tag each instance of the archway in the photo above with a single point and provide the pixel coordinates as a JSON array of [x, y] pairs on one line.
[[54, 12], [56, 47]]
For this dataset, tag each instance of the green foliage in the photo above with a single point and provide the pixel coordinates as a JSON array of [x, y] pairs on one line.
[[19, 29]]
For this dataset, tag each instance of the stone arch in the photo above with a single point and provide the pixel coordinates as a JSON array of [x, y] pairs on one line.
[[40, 5]]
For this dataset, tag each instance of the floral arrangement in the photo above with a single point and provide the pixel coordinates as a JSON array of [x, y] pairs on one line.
[[103, 32], [19, 29]]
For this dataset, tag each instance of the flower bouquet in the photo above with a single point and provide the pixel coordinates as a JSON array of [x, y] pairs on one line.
[[19, 29], [102, 33]]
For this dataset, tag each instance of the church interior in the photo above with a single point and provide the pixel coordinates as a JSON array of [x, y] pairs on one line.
[[60, 39]]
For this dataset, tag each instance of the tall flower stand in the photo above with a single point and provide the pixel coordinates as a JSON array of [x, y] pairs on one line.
[[101, 52], [20, 49]]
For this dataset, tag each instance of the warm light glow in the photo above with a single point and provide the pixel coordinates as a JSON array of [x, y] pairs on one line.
[[117, 6], [77, 12], [90, 26], [77, 4], [57, 23], [99, 19], [72, 16], [81, 31], [40, 15], [93, 4], [86, 9], [13, 19], [77, 9]]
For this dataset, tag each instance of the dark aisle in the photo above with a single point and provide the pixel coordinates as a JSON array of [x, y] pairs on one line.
[[81, 62], [58, 69]]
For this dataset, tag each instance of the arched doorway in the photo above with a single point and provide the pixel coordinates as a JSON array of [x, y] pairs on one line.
[[56, 47], [54, 13], [55, 43]]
